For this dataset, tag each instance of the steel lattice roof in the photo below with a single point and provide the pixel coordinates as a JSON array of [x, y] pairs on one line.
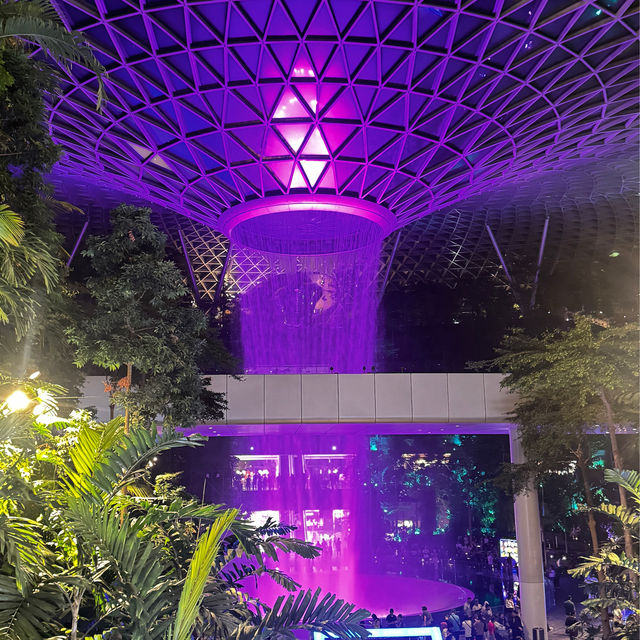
[[417, 106]]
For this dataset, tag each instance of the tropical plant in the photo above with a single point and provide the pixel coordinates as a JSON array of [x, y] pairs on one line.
[[567, 382], [36, 22], [89, 548], [142, 318], [612, 578]]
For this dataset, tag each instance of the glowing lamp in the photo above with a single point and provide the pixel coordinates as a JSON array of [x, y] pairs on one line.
[[18, 401]]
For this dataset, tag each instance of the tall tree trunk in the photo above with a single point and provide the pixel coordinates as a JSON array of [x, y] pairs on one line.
[[619, 464], [582, 461]]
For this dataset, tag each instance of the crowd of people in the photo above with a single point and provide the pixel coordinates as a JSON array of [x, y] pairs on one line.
[[475, 621]]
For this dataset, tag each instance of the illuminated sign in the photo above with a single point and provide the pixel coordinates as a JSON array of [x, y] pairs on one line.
[[509, 547]]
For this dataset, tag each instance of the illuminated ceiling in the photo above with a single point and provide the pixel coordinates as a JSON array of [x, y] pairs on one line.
[[417, 106]]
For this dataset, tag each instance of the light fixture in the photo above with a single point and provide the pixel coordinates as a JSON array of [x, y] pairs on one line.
[[18, 401], [614, 254]]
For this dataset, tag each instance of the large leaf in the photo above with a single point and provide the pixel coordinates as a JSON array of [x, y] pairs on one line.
[[199, 571], [29, 616], [124, 463], [303, 611], [11, 226], [22, 547], [629, 480], [146, 584]]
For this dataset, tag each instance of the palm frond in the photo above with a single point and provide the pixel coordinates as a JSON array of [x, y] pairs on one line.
[[143, 572], [628, 479], [11, 226], [199, 571], [63, 46], [28, 616], [331, 616], [125, 463], [22, 547]]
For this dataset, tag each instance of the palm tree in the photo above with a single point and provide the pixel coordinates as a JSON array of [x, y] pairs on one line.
[[612, 577], [36, 22]]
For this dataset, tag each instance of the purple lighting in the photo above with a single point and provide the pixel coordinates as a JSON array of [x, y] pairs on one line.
[[315, 310], [411, 105]]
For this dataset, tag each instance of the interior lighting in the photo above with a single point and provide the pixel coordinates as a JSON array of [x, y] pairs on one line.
[[34, 375], [18, 401], [614, 254]]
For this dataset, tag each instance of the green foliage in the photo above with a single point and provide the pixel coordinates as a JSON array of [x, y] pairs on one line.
[[613, 577], [143, 315], [560, 379], [84, 537], [303, 611], [34, 304], [36, 22]]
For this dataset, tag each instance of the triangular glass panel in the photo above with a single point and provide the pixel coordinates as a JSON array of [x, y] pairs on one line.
[[280, 24], [270, 94], [315, 146], [364, 96], [364, 26], [321, 23], [297, 180], [290, 106], [269, 68], [320, 53], [250, 56], [284, 53], [213, 14], [294, 134], [273, 145], [302, 67], [309, 93], [238, 27], [237, 111], [312, 169], [387, 14], [328, 181], [336, 133], [301, 12], [257, 12], [343, 107]]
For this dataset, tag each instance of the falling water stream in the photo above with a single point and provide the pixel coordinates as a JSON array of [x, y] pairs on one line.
[[314, 308]]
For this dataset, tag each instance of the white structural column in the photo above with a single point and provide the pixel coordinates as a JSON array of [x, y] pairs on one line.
[[527, 516]]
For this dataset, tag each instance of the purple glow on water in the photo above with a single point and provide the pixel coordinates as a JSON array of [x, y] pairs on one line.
[[323, 487], [315, 310]]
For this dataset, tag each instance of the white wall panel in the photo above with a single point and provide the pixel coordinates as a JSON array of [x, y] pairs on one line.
[[429, 397], [283, 398], [356, 399], [246, 399], [466, 396], [319, 398], [393, 397]]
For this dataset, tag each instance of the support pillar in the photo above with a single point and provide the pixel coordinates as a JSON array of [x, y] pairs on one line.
[[530, 567]]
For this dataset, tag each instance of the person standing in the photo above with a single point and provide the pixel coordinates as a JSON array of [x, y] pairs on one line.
[[375, 621], [427, 618], [467, 607], [509, 608], [467, 627], [491, 629], [392, 619], [400, 621], [478, 628], [569, 606], [455, 626]]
